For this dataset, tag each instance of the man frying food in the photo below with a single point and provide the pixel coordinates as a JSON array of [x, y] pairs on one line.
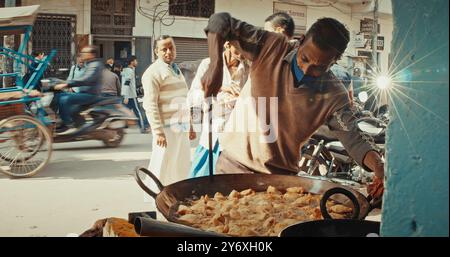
[[291, 94]]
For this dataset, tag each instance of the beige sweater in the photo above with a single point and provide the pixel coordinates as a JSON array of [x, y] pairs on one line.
[[165, 95]]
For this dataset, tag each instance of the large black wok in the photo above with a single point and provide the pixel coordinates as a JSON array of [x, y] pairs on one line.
[[333, 228], [170, 197]]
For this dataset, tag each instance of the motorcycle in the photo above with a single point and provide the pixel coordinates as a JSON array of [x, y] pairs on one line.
[[104, 120], [325, 156]]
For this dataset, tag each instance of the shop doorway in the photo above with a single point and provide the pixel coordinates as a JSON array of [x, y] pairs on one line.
[[119, 50]]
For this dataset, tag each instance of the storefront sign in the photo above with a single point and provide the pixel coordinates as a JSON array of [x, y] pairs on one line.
[[366, 26], [380, 42], [297, 12], [359, 41]]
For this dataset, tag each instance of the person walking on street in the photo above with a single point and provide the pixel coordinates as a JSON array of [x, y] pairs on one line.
[[117, 69], [129, 93], [110, 63], [110, 85]]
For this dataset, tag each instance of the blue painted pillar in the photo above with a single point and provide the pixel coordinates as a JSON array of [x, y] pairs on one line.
[[416, 199]]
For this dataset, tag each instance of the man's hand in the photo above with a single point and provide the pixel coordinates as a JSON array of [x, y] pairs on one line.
[[125, 101], [32, 93], [232, 89], [61, 86], [375, 191], [212, 79], [374, 162], [192, 135], [161, 140]]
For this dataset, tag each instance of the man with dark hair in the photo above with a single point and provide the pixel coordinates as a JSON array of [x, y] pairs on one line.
[[280, 22], [117, 69], [129, 93], [330, 35], [110, 63], [38, 56], [90, 87], [292, 93], [110, 83]]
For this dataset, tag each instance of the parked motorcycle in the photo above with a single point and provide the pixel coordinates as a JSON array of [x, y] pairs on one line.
[[325, 156], [104, 120]]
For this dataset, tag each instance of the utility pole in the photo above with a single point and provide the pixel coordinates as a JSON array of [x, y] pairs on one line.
[[375, 36], [8, 42]]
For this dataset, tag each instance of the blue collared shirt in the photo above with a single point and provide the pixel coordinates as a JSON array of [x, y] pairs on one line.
[[299, 75]]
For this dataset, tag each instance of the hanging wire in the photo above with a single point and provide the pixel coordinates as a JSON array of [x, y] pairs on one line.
[[157, 13]]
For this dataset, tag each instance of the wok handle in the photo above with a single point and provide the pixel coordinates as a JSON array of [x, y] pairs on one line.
[[142, 184], [339, 190]]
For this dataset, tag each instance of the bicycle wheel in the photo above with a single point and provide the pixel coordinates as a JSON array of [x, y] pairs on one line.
[[25, 146]]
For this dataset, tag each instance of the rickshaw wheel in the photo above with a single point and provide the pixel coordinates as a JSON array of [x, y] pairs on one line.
[[25, 146]]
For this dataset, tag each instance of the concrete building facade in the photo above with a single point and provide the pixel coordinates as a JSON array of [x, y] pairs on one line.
[[152, 18]]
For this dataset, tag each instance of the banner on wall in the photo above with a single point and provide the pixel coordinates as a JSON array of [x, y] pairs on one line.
[[297, 12], [366, 26], [380, 42], [360, 41]]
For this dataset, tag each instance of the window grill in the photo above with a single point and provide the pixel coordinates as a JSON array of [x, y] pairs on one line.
[[191, 8], [55, 31], [112, 17]]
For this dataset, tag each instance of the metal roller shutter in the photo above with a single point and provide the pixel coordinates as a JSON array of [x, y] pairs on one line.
[[191, 49]]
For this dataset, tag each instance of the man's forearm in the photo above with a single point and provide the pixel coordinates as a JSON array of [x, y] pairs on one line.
[[212, 79], [374, 162]]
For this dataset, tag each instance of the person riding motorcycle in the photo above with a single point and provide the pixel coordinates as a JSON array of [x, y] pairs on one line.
[[90, 88]]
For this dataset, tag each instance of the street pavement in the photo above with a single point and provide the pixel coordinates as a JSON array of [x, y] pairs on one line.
[[84, 182]]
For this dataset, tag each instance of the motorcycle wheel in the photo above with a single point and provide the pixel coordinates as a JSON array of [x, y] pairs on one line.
[[115, 140]]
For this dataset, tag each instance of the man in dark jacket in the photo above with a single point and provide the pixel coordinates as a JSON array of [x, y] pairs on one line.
[[90, 87], [110, 84]]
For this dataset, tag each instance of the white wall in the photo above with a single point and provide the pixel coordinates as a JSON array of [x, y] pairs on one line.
[[255, 12], [80, 8], [182, 27], [252, 11]]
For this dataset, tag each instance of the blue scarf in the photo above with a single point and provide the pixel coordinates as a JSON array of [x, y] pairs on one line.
[[175, 68], [299, 75]]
